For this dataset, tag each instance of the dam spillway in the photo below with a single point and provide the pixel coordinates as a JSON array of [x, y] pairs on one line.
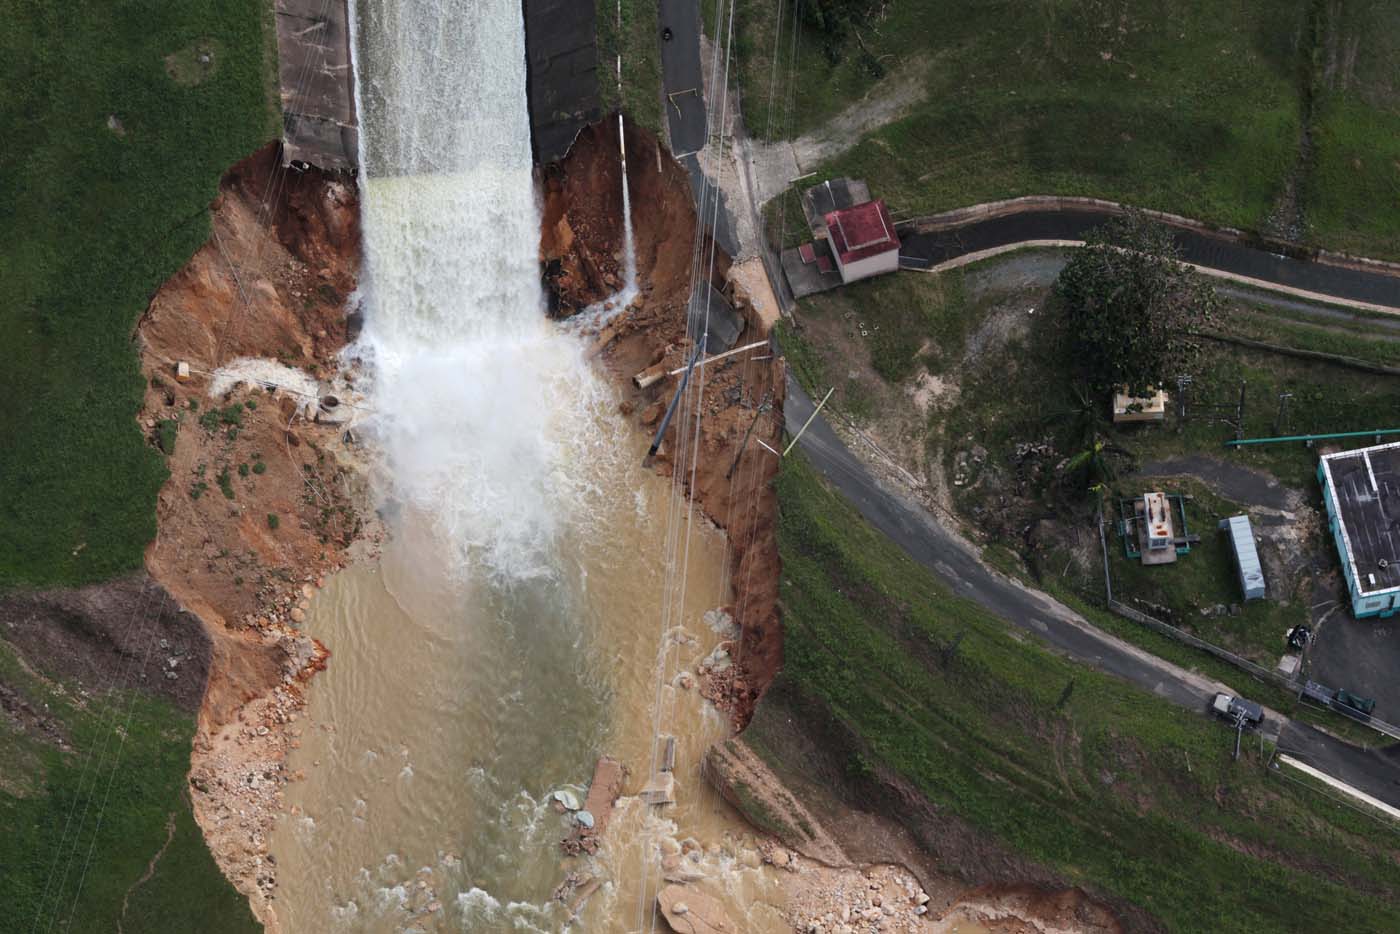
[[510, 632]]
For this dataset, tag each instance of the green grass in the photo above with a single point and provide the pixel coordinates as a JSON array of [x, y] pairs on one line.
[[120, 803], [1195, 107], [1353, 187], [93, 221], [903, 320], [641, 60], [1097, 786], [1011, 393], [1205, 578]]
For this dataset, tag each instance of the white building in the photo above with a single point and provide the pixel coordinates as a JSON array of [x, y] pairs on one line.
[[863, 240]]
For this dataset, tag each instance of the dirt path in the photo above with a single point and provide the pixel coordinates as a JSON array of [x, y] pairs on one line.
[[776, 164]]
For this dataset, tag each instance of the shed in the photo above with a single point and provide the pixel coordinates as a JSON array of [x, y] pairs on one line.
[[1251, 572]]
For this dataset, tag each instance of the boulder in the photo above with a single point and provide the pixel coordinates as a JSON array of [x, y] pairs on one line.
[[688, 911]]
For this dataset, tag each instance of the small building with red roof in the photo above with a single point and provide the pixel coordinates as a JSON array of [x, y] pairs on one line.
[[863, 240]]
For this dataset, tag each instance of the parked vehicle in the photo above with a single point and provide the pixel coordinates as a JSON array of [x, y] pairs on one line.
[[1237, 710], [1361, 705]]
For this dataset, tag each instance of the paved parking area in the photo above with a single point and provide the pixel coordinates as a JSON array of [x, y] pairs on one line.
[[1361, 655]]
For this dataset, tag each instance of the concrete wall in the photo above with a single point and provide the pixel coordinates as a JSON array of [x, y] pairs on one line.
[[561, 49], [870, 266], [317, 84]]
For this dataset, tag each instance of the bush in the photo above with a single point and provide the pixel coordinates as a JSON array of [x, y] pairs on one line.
[[166, 431], [225, 483], [272, 521], [259, 468]]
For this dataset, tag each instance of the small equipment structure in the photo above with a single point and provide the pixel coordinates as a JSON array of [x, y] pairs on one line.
[[1361, 490], [1128, 408], [1247, 565], [1153, 527]]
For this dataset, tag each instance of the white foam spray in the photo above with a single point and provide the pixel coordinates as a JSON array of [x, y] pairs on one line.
[[485, 413]]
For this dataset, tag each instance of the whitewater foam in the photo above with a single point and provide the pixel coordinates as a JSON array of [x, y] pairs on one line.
[[484, 413]]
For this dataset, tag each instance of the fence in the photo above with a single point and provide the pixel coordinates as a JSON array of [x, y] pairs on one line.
[[1258, 672]]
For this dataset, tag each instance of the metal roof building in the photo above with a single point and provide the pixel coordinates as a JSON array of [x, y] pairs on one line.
[[1361, 490], [1247, 566]]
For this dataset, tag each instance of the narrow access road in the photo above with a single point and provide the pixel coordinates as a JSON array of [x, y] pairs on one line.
[[1373, 288], [682, 81], [954, 560]]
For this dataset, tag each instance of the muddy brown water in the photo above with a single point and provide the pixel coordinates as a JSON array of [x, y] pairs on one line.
[[450, 712]]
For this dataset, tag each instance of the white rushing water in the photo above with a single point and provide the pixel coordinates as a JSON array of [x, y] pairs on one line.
[[485, 409], [508, 636]]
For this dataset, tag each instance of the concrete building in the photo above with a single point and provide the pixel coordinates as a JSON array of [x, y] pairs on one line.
[[853, 237], [863, 241], [1361, 490]]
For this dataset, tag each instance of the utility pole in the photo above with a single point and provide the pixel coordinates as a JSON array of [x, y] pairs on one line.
[[811, 418], [762, 407]]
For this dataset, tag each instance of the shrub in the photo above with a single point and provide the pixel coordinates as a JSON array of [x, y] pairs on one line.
[[272, 521], [225, 482], [259, 468], [166, 431]]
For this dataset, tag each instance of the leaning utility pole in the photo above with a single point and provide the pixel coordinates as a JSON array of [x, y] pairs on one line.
[[811, 418], [763, 406]]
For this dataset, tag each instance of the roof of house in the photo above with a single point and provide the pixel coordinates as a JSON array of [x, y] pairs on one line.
[[862, 231], [1364, 487]]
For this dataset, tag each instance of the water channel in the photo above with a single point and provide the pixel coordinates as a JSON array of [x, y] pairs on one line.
[[518, 624]]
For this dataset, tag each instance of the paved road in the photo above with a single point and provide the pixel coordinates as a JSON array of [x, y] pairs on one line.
[[933, 546], [681, 77], [1372, 287]]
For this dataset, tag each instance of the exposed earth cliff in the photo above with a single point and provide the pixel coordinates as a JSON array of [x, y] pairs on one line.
[[261, 498]]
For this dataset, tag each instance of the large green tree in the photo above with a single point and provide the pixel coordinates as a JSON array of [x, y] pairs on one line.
[[1130, 306]]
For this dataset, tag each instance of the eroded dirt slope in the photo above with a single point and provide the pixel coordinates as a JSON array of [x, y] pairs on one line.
[[260, 503], [581, 252]]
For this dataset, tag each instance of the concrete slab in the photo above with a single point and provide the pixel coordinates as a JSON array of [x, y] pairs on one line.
[[562, 51], [319, 123], [805, 278]]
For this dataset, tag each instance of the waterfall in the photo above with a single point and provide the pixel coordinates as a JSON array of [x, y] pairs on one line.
[[484, 410]]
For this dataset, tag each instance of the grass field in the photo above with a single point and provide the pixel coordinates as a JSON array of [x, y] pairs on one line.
[[1351, 194], [108, 164], [83, 826], [1004, 383], [1193, 106], [1108, 786], [641, 60]]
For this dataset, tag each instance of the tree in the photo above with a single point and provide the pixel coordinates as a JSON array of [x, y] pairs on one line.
[[1130, 306]]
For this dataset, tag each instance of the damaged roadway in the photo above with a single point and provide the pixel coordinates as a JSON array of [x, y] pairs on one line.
[[1376, 773]]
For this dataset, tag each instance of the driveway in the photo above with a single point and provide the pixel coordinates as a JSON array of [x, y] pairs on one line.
[[956, 562], [921, 250]]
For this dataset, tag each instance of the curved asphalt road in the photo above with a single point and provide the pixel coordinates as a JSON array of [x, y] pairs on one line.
[[929, 543], [1376, 288]]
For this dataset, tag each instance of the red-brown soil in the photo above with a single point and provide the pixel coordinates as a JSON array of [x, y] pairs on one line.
[[271, 282], [580, 246]]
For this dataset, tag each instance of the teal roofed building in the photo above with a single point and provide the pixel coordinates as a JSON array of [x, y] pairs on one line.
[[1361, 490]]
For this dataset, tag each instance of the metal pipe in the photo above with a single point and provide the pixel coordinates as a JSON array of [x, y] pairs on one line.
[[671, 409], [1335, 434], [721, 356]]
